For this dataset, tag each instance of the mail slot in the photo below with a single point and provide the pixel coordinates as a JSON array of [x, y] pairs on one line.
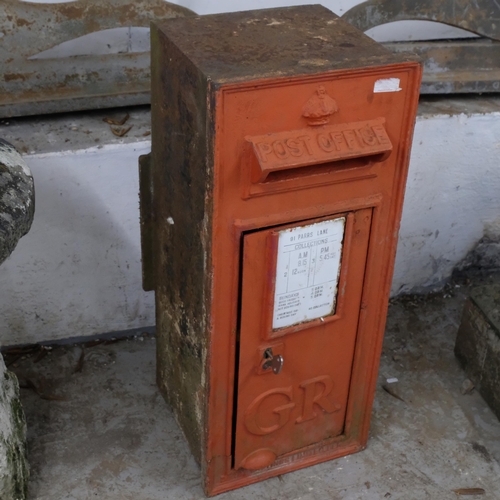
[[270, 209]]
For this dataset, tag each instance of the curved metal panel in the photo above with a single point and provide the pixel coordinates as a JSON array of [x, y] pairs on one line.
[[33, 86], [450, 66], [481, 16]]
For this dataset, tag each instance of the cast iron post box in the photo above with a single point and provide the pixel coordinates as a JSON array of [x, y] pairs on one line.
[[270, 212]]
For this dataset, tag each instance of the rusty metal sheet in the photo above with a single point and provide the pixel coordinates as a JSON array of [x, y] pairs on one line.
[[32, 86], [450, 66], [480, 16], [456, 66]]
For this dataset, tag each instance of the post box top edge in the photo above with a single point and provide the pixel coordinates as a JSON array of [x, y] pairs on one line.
[[278, 42]]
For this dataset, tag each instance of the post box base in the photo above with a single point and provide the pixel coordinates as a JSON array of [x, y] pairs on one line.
[[306, 458]]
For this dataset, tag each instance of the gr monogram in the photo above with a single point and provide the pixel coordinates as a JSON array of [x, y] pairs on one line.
[[314, 394]]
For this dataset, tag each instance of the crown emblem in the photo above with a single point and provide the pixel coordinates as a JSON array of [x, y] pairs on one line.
[[318, 109]]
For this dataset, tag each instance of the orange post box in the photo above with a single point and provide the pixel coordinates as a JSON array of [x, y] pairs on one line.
[[270, 213]]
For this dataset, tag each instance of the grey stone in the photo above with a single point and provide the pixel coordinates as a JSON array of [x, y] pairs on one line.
[[478, 342], [14, 470], [485, 255], [17, 198]]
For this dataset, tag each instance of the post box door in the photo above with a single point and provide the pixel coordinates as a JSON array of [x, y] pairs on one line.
[[300, 303]]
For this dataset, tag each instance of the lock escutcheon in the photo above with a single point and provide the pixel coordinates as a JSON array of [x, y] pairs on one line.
[[274, 362]]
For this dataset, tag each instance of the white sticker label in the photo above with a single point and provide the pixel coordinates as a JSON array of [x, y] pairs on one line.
[[387, 85], [307, 272]]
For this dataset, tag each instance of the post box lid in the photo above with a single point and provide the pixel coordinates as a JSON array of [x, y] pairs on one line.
[[289, 41]]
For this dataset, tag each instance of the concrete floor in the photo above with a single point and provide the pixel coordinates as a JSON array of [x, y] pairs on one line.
[[98, 428]]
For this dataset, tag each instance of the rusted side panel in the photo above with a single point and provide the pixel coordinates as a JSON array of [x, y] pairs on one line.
[[182, 176]]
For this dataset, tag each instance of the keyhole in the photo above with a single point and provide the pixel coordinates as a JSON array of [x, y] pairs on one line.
[[272, 361]]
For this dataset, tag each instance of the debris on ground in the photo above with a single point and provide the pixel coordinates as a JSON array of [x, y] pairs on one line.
[[118, 129], [120, 132], [391, 386], [38, 389], [467, 386], [469, 491], [114, 121], [79, 365]]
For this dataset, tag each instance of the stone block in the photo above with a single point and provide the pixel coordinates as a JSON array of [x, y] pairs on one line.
[[14, 470], [17, 198], [478, 343]]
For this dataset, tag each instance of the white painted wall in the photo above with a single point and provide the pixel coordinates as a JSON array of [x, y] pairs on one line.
[[78, 271], [452, 196]]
